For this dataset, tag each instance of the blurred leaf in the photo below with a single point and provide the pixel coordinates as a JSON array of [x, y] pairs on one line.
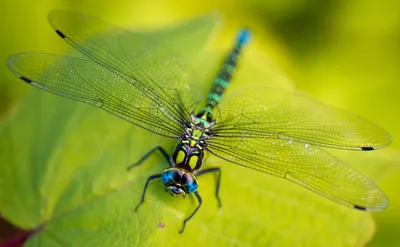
[[388, 221], [63, 173]]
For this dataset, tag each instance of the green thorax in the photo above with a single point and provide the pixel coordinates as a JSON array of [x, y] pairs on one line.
[[189, 153]]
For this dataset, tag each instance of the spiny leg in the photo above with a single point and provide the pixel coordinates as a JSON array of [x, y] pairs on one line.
[[213, 169], [144, 157], [190, 216], [145, 188]]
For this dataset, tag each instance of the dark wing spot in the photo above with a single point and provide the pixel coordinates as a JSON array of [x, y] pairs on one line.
[[360, 208], [367, 148], [60, 34], [25, 79]]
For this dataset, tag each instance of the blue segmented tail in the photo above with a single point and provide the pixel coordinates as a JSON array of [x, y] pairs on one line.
[[224, 77]]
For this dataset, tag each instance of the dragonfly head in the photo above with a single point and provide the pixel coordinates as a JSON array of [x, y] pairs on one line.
[[179, 182]]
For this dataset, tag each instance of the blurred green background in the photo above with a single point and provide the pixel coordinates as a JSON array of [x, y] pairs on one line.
[[344, 53]]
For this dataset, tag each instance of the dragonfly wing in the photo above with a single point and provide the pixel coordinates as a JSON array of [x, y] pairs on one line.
[[306, 165], [154, 68], [92, 83], [278, 114]]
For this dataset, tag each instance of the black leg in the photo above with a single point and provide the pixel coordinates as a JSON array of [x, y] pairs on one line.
[[145, 188], [190, 216], [213, 169], [144, 157]]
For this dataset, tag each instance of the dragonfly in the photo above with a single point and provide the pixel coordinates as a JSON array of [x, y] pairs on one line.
[[144, 82]]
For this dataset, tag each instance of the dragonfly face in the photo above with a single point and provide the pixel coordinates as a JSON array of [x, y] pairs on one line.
[[179, 182]]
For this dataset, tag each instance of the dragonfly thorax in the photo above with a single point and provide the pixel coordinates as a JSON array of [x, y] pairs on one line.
[[189, 153]]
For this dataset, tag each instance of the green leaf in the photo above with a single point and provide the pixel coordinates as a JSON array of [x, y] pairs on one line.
[[63, 174]]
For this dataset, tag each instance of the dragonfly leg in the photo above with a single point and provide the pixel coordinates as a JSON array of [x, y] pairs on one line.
[[145, 188], [218, 171], [194, 212], [144, 157]]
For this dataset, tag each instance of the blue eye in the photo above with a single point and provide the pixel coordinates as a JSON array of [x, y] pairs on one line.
[[189, 182], [171, 176]]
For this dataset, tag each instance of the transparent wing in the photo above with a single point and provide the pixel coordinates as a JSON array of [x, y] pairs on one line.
[[89, 82], [308, 166], [274, 131], [154, 69], [277, 114]]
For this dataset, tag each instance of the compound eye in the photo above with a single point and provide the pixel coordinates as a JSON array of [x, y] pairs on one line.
[[189, 182], [171, 176]]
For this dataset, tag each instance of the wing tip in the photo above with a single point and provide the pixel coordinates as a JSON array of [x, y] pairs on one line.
[[57, 16], [12, 65], [375, 207], [384, 143]]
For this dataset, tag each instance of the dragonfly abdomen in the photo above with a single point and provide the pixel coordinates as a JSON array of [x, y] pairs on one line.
[[225, 75]]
